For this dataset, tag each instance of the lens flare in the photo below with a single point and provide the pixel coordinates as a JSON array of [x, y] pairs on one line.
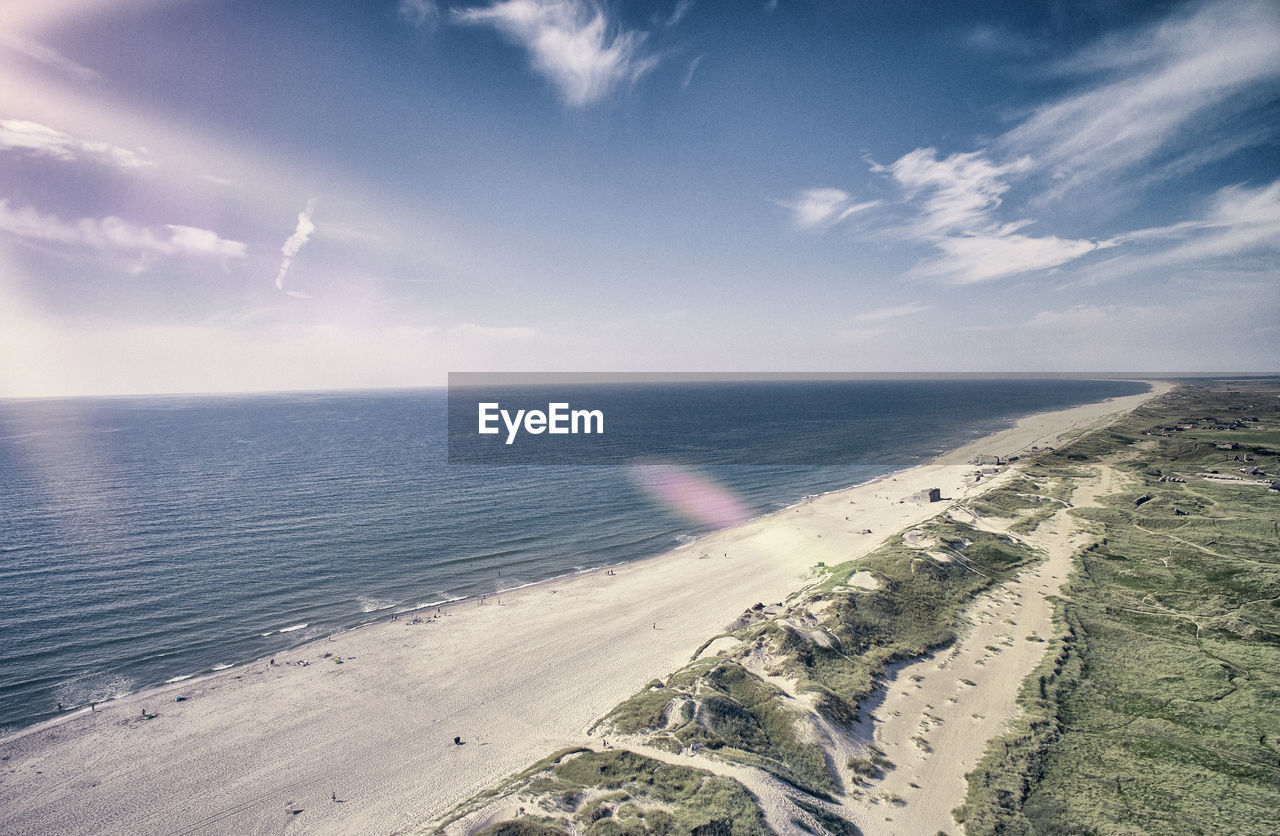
[[691, 495]]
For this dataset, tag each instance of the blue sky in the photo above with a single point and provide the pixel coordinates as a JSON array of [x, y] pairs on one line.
[[227, 196]]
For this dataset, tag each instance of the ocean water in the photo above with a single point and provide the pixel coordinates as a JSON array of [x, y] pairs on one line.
[[144, 540]]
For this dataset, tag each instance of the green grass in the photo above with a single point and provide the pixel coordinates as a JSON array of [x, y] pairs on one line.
[[1257, 438], [620, 793], [1159, 709]]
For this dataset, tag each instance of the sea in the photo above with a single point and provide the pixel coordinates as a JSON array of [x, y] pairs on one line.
[[146, 540]]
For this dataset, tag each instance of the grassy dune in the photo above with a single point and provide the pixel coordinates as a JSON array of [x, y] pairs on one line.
[[1159, 709]]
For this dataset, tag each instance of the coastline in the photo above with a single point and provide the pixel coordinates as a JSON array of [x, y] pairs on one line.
[[514, 679]]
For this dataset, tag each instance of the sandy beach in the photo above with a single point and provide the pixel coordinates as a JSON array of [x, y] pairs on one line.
[[360, 739]]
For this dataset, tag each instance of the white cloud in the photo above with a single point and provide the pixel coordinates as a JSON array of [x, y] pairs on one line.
[[43, 141], [48, 56], [424, 14], [294, 243], [114, 234], [957, 198], [981, 257], [1149, 102], [823, 207], [882, 314], [570, 42], [957, 192], [1238, 221], [1165, 88], [191, 240]]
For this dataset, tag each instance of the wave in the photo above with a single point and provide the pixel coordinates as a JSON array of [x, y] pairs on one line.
[[437, 603], [185, 676], [94, 688], [289, 629], [368, 604]]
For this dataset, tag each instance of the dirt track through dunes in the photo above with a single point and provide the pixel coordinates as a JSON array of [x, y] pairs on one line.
[[936, 716]]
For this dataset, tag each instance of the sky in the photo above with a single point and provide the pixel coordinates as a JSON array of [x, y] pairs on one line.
[[326, 194]]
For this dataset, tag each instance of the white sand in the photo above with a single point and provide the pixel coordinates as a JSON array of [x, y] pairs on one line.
[[515, 681]]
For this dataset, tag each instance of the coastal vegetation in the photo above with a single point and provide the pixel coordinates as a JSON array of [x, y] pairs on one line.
[[1157, 709], [621, 793]]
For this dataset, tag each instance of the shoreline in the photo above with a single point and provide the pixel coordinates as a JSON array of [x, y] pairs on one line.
[[508, 676], [1004, 442]]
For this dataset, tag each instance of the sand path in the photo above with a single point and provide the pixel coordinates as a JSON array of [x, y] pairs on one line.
[[936, 716]]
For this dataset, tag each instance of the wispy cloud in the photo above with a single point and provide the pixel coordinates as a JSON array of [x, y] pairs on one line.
[[570, 42], [424, 14], [1161, 90], [871, 325], [693, 68], [1239, 221], [48, 56], [955, 193], [1000, 39], [883, 314], [682, 9], [294, 243], [42, 141], [494, 333], [1146, 103], [823, 208], [956, 199], [114, 234], [981, 257], [854, 336], [1082, 315]]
